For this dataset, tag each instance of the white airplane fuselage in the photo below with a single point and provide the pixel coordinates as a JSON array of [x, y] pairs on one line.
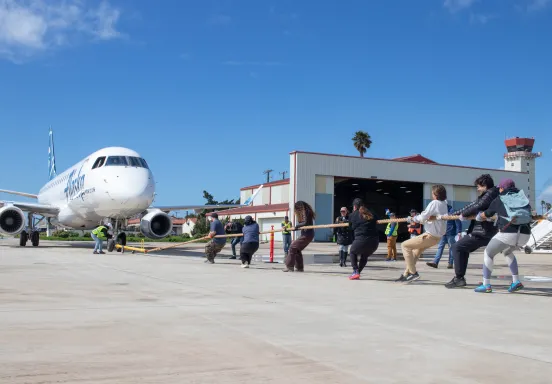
[[122, 186]]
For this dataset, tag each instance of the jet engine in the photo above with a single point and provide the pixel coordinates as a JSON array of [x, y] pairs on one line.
[[155, 224], [12, 220]]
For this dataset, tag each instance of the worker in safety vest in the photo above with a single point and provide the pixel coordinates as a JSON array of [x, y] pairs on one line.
[[415, 229], [392, 232], [286, 234], [99, 234]]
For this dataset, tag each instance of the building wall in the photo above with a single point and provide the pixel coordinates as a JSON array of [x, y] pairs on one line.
[[276, 194], [305, 167]]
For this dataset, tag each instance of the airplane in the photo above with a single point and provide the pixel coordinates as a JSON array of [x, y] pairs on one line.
[[112, 184]]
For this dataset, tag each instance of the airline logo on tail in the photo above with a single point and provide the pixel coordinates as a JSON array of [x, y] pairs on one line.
[[249, 201], [51, 158]]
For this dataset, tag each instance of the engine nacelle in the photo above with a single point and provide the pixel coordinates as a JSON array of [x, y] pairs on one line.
[[156, 224], [12, 220]]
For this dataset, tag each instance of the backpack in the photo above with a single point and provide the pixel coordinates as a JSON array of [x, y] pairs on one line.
[[517, 208]]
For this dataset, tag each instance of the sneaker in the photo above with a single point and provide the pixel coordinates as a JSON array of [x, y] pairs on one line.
[[515, 287], [450, 266], [432, 264], [232, 258], [412, 277], [101, 253], [95, 252], [209, 261], [401, 279], [245, 265], [456, 282], [387, 259], [484, 288], [354, 276], [287, 269]]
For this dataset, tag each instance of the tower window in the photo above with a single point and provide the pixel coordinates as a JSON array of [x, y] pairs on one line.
[[512, 164], [527, 164]]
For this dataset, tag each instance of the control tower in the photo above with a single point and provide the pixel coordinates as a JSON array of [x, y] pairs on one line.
[[521, 158]]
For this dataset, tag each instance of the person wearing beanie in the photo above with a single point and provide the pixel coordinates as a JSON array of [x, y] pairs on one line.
[[513, 220]]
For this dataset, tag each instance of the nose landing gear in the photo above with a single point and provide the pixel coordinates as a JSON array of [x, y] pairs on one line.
[[120, 238]]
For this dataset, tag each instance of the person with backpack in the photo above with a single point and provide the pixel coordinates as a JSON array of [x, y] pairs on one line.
[[513, 213], [233, 228]]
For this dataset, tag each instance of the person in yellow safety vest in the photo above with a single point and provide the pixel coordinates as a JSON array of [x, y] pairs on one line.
[[286, 234], [99, 234], [392, 232], [415, 229]]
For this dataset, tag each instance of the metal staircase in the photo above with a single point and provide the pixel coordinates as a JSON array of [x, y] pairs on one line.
[[541, 238]]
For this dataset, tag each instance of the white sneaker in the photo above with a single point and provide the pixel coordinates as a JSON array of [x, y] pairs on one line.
[[245, 265]]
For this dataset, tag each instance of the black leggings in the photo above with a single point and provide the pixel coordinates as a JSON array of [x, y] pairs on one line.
[[247, 250], [363, 248]]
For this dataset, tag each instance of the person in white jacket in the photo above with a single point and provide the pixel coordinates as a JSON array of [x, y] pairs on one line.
[[435, 229]]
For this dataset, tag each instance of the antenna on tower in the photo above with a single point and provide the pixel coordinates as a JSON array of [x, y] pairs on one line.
[[267, 173], [283, 174]]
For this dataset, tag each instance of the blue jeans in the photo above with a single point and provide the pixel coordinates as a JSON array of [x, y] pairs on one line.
[[235, 242], [98, 245], [446, 239], [287, 241]]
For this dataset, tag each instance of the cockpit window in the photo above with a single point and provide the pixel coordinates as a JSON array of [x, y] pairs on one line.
[[134, 161], [128, 161], [99, 162], [116, 160]]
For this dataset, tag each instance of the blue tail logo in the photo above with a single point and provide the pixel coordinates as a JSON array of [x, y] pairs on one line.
[[51, 157]]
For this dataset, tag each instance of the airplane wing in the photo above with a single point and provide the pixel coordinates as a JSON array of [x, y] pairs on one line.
[[41, 209], [19, 193], [197, 208]]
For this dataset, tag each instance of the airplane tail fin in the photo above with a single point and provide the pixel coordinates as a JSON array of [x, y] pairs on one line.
[[249, 201], [51, 157]]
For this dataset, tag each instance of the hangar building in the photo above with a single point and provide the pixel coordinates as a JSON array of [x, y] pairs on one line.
[[328, 182]]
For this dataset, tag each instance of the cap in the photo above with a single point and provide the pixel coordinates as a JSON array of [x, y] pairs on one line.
[[343, 209], [413, 210], [287, 217], [506, 183], [109, 225]]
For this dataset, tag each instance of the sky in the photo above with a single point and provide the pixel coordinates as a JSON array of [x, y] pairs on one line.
[[213, 92]]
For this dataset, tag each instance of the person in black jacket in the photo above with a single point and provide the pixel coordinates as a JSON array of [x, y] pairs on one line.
[[366, 238], [344, 236], [479, 232], [509, 237], [233, 228]]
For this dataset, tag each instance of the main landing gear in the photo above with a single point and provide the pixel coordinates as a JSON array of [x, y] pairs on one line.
[[34, 235], [120, 238]]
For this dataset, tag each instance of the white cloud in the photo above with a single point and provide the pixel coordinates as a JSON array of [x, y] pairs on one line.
[[537, 5], [478, 18], [458, 5], [31, 27]]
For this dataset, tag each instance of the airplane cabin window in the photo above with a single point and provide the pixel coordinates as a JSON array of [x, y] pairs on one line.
[[99, 162], [116, 160]]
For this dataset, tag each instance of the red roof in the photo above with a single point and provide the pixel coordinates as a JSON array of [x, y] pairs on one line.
[[417, 158], [270, 184], [284, 207]]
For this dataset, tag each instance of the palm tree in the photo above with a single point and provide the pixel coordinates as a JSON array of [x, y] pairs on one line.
[[362, 142]]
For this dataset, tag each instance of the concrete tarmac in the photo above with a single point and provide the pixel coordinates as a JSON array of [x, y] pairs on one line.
[[68, 316]]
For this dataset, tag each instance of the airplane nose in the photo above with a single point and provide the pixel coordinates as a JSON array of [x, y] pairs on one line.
[[137, 189]]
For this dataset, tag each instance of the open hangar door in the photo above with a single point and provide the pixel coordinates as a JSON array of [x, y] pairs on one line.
[[397, 196]]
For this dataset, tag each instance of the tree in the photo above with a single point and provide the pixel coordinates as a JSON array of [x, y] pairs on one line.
[[211, 201], [362, 142]]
